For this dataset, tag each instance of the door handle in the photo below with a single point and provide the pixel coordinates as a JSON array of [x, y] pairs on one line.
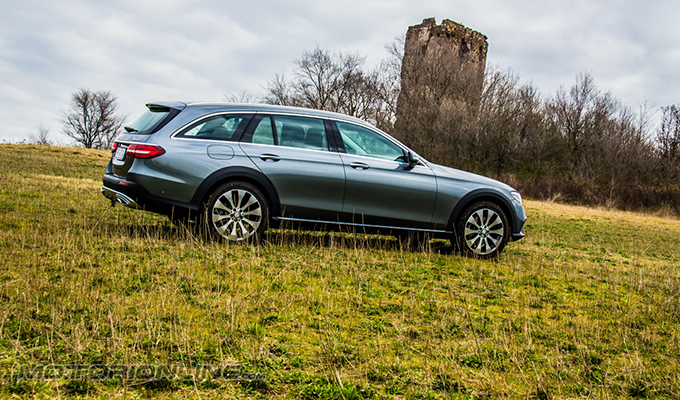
[[361, 165], [267, 157]]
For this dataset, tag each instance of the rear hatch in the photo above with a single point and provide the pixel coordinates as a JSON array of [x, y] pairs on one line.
[[125, 150]]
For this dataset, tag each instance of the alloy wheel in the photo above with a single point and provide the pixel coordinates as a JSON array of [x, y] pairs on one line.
[[484, 231], [237, 215]]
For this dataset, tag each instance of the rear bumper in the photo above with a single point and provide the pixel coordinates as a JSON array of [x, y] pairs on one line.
[[127, 193], [133, 195]]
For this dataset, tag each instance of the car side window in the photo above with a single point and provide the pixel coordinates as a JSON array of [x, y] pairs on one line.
[[220, 127], [300, 132], [364, 142], [263, 133]]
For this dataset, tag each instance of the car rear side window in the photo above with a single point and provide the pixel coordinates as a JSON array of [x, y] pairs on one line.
[[300, 132], [263, 133], [228, 127]]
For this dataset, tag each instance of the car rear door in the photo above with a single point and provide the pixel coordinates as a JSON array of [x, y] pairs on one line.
[[295, 154]]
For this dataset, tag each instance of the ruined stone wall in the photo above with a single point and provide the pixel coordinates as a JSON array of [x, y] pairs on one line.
[[449, 43], [442, 78]]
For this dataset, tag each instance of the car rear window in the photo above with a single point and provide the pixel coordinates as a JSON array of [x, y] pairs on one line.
[[152, 120]]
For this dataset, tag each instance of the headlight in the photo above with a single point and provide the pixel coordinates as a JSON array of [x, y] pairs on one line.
[[517, 197]]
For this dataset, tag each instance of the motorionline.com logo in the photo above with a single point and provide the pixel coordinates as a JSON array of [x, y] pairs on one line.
[[134, 373]]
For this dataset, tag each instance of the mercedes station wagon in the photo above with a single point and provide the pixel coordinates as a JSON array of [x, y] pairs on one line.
[[237, 169]]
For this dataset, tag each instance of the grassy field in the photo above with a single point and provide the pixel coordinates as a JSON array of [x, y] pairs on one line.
[[587, 305]]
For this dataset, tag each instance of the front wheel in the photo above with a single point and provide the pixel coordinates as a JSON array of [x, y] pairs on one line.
[[482, 230], [236, 212]]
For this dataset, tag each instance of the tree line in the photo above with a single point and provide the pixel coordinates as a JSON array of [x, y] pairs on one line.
[[579, 145]]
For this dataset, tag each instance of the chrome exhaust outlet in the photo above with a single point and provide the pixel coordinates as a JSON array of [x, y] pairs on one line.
[[119, 197]]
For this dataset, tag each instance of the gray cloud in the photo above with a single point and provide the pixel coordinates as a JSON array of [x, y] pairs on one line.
[[198, 50]]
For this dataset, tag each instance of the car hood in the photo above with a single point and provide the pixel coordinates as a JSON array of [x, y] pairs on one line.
[[455, 174]]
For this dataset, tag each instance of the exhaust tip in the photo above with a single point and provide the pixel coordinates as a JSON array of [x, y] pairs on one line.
[[119, 197]]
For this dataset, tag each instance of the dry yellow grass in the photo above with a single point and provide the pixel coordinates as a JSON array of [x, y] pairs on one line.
[[588, 304]]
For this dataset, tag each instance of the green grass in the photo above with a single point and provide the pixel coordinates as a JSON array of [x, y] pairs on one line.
[[588, 304]]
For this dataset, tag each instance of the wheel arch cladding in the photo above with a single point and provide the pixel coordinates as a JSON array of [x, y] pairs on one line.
[[483, 195], [244, 174]]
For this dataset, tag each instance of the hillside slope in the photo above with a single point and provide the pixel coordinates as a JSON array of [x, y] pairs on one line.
[[587, 304]]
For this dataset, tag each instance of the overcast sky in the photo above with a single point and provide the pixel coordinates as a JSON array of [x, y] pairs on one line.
[[144, 51]]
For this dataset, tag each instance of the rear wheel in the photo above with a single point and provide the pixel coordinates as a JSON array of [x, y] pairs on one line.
[[236, 212], [482, 230]]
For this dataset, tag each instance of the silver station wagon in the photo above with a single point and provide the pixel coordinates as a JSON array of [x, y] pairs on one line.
[[238, 169]]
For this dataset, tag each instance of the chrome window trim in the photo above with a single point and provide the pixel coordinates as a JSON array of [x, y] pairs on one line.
[[173, 136], [420, 164], [276, 146], [421, 161]]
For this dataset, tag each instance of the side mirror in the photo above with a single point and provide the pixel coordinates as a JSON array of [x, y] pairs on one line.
[[411, 159]]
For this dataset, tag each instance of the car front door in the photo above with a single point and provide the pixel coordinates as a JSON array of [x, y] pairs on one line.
[[381, 188], [294, 153]]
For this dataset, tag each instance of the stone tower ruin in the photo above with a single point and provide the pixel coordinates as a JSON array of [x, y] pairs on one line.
[[442, 76], [449, 43]]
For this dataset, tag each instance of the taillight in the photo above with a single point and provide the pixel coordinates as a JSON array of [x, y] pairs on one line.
[[144, 151], [114, 146]]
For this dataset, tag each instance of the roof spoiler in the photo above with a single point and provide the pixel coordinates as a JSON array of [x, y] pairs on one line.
[[165, 106]]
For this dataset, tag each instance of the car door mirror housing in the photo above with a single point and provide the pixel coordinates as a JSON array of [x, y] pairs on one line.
[[411, 160]]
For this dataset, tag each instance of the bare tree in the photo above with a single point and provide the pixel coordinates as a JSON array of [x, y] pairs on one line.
[[581, 144], [388, 79], [280, 91], [668, 139], [243, 97], [91, 119], [508, 124], [323, 81], [580, 116], [438, 105], [334, 82], [41, 136]]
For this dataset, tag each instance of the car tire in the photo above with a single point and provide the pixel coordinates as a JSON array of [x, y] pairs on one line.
[[236, 212], [481, 231]]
